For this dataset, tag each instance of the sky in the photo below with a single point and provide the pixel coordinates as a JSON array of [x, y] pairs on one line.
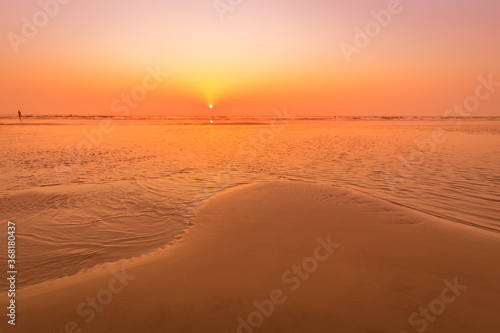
[[247, 57]]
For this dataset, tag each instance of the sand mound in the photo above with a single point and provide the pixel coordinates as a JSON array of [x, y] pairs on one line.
[[288, 257]]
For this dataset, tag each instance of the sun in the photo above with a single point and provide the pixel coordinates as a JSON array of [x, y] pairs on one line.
[[211, 106]]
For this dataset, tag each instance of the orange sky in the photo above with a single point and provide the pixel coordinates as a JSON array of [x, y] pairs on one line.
[[87, 55]]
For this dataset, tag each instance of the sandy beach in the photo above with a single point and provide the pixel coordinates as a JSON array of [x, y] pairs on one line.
[[287, 257], [229, 166]]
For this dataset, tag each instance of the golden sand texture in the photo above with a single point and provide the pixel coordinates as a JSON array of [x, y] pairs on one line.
[[287, 257]]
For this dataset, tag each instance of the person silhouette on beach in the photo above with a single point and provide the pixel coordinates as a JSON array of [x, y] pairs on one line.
[[19, 113]]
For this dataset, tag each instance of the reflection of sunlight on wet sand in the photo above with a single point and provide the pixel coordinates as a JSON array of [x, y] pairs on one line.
[[211, 134]]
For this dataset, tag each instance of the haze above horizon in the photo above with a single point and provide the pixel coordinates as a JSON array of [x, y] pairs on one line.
[[317, 58]]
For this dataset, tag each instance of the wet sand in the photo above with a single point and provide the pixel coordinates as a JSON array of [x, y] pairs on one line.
[[313, 258], [140, 185]]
